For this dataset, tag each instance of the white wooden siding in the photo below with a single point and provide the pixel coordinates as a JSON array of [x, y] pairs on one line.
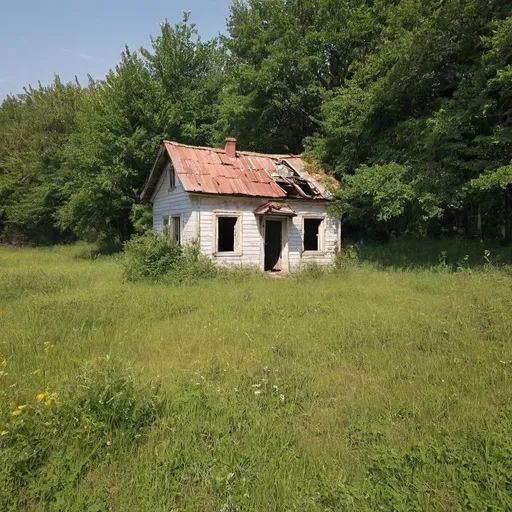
[[252, 232], [198, 214], [173, 203], [330, 227]]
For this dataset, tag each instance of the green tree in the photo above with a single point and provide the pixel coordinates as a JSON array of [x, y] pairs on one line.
[[168, 92], [34, 128], [432, 97], [107, 158], [286, 54]]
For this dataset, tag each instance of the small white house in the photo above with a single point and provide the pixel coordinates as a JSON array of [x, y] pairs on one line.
[[243, 208]]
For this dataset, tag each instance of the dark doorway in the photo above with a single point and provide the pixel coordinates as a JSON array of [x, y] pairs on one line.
[[273, 230]]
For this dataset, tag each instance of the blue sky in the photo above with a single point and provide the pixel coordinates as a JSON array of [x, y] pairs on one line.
[[69, 37]]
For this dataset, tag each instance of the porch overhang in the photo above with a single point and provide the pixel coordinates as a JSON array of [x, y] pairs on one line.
[[274, 208]]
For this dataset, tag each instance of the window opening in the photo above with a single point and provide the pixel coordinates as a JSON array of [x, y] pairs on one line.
[[171, 177], [312, 234], [165, 225], [176, 229], [226, 231]]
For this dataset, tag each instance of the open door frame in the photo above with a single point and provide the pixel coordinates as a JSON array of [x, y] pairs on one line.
[[285, 230]]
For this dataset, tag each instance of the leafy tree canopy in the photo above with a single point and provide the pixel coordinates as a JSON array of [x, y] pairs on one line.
[[408, 103]]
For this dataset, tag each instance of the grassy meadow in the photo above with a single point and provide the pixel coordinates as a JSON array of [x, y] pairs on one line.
[[384, 385]]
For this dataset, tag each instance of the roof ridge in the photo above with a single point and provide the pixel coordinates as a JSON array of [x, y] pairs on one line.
[[245, 153]]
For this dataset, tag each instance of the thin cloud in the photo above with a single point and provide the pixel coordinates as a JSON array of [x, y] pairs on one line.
[[83, 55]]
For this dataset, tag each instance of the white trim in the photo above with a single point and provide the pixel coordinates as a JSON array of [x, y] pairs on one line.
[[170, 225], [321, 234], [171, 228], [168, 172], [286, 223], [238, 233]]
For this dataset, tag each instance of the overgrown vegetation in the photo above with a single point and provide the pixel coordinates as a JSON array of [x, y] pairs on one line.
[[406, 102], [382, 385], [156, 256]]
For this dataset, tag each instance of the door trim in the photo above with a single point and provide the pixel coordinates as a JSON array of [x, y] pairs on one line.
[[285, 231]]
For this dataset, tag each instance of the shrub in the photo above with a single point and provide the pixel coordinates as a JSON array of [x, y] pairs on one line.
[[150, 256], [193, 266], [346, 257]]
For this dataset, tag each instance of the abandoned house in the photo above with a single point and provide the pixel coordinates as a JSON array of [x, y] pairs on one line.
[[242, 207]]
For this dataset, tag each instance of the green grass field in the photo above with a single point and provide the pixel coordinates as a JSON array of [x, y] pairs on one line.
[[389, 386]]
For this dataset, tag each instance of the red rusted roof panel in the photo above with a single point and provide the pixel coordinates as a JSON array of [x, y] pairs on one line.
[[210, 171]]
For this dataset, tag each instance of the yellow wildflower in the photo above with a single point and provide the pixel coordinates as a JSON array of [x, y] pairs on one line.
[[17, 412], [51, 398], [40, 396], [4, 363], [4, 432]]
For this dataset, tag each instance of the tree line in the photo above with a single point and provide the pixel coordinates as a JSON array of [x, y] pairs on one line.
[[407, 103]]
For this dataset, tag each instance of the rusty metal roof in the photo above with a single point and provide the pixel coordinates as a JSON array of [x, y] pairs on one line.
[[210, 171]]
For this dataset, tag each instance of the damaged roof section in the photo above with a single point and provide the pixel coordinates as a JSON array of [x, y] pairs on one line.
[[275, 208], [203, 170]]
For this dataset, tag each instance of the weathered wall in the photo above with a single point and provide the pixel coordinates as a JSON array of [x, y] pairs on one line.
[[198, 213], [175, 202], [252, 233], [331, 234]]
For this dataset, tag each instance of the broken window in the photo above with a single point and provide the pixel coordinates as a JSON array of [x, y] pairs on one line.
[[176, 229], [165, 225], [227, 234], [171, 177], [312, 234], [172, 227]]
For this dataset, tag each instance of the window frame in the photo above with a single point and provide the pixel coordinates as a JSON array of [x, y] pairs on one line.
[[238, 244], [168, 222], [170, 176], [179, 218], [165, 224], [321, 234]]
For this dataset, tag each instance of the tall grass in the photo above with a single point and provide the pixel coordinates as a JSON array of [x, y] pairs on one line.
[[374, 387]]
